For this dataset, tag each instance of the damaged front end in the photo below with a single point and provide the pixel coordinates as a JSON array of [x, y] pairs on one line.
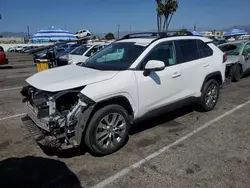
[[56, 119]]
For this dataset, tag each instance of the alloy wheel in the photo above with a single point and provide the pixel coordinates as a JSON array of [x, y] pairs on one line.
[[111, 130], [211, 95]]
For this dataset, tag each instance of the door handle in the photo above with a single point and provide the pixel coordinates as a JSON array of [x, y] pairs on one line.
[[205, 65], [176, 74]]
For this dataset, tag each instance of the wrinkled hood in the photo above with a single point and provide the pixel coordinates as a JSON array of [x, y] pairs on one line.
[[232, 59], [67, 77]]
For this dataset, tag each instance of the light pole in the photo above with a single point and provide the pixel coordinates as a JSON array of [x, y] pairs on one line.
[[28, 29], [118, 31], [194, 27]]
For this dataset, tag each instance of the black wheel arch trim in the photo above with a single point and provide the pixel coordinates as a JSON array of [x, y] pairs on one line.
[[115, 98], [217, 73], [88, 112]]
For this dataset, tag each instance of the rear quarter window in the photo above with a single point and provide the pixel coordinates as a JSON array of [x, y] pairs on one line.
[[204, 49]]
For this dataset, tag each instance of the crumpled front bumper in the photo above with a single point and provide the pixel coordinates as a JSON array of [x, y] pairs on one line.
[[54, 129], [37, 133]]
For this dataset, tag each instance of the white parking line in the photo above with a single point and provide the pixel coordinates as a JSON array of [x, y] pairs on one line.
[[10, 89], [13, 116], [155, 154], [19, 76]]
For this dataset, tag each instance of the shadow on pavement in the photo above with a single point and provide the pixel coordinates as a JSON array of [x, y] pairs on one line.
[[161, 119], [6, 67], [36, 172], [81, 150]]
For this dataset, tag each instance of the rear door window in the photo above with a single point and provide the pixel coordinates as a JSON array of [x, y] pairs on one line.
[[187, 50]]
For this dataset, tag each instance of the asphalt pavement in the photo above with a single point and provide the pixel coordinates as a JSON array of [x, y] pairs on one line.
[[183, 148]]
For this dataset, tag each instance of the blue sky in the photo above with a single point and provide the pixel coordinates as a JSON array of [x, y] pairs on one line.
[[103, 15]]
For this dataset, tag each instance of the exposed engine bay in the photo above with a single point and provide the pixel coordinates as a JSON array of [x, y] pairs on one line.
[[56, 114]]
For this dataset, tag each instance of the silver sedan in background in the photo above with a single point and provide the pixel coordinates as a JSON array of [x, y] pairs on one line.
[[238, 58]]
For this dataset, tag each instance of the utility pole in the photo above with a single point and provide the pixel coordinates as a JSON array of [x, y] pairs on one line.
[[28, 31], [130, 29], [194, 27], [118, 31]]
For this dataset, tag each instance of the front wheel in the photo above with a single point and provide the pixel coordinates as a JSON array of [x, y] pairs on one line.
[[108, 130], [209, 95]]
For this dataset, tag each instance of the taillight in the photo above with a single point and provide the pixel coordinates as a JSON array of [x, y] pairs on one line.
[[224, 57]]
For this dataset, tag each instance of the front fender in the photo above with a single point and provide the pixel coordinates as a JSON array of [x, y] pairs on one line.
[[123, 84]]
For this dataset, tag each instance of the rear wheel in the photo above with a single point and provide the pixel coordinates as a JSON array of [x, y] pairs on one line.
[[108, 130], [209, 95], [236, 73]]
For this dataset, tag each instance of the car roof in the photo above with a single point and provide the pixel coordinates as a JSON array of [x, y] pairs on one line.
[[139, 40], [236, 42], [147, 40]]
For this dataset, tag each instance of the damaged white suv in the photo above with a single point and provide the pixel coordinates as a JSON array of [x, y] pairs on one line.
[[140, 75]]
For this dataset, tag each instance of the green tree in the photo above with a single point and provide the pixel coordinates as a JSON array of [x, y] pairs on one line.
[[165, 10], [109, 36], [182, 31]]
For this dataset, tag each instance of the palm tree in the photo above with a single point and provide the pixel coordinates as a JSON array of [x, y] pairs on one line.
[[160, 12], [167, 10], [159, 19]]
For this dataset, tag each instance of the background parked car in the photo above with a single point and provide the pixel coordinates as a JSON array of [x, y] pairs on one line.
[[24, 48], [238, 58], [18, 48], [82, 53], [219, 41], [82, 33], [3, 58], [11, 49]]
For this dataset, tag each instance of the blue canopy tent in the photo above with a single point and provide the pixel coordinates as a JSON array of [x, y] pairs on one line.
[[196, 33], [235, 32], [53, 35]]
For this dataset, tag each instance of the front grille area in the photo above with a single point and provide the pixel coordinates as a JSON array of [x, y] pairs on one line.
[[34, 130]]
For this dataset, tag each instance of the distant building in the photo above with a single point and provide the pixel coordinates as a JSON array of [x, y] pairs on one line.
[[12, 40]]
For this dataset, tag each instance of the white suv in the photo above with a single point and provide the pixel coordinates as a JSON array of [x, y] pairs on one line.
[[135, 77], [82, 34]]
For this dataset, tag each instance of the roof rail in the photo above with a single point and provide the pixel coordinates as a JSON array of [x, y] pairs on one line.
[[156, 34], [144, 34]]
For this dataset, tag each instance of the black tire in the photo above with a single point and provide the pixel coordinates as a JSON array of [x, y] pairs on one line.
[[236, 72], [90, 139], [203, 103]]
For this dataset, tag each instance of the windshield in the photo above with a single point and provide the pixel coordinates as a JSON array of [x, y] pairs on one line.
[[79, 50], [116, 56], [232, 49]]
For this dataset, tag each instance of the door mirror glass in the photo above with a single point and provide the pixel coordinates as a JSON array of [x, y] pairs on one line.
[[155, 65]]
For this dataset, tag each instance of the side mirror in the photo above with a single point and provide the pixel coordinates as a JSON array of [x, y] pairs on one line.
[[153, 65]]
